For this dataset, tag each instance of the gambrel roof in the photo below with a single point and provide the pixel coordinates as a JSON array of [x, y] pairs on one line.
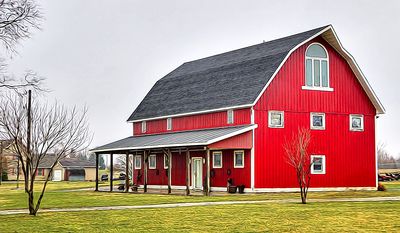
[[234, 79]]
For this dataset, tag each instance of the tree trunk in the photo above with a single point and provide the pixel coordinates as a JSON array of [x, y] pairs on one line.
[[31, 205]]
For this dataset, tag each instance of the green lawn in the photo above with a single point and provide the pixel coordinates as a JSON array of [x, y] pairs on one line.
[[327, 217], [314, 217]]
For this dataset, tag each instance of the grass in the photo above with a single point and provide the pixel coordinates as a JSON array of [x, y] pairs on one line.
[[326, 217], [58, 196], [313, 217]]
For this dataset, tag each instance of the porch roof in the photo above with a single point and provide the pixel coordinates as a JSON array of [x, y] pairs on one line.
[[176, 139]]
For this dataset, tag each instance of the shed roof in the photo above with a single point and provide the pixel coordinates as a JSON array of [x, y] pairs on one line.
[[177, 139], [49, 159]]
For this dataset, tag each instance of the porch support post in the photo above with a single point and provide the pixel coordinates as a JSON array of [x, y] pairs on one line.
[[187, 172], [208, 172], [145, 172], [111, 171], [97, 173], [169, 170], [127, 172]]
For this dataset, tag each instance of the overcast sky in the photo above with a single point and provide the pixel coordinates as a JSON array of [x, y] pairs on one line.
[[108, 54]]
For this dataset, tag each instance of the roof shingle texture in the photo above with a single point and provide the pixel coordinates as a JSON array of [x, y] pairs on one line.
[[226, 80]]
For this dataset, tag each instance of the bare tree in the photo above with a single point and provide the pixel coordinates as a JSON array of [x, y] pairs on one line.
[[297, 156], [54, 129], [17, 20]]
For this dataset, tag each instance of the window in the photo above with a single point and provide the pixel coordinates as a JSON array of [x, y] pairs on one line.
[[318, 164], [169, 123], [317, 68], [166, 162], [152, 162], [144, 127], [217, 159], [40, 172], [230, 116], [356, 122], [238, 159], [317, 120], [138, 162], [275, 119]]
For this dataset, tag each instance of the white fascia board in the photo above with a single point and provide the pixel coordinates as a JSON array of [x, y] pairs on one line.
[[284, 60], [232, 134], [180, 145], [361, 77], [349, 58], [193, 113]]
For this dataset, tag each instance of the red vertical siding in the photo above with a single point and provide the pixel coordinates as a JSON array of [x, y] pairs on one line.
[[239, 176], [350, 156], [242, 141], [199, 121]]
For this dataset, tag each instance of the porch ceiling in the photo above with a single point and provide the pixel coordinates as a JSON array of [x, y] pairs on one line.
[[177, 139]]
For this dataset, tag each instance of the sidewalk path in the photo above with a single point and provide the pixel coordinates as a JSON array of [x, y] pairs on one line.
[[174, 205]]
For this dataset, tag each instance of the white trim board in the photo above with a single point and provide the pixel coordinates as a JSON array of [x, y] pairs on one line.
[[336, 44], [331, 189], [182, 145]]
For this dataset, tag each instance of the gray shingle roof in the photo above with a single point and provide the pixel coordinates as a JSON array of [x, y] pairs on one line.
[[186, 138], [229, 79], [49, 159]]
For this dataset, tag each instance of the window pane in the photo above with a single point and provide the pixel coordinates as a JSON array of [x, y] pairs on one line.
[[239, 159], [317, 121], [317, 167], [217, 160], [309, 72], [316, 73], [356, 123], [324, 73], [276, 119], [316, 51]]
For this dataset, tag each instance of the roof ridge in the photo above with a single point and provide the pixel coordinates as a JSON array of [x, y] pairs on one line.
[[254, 45]]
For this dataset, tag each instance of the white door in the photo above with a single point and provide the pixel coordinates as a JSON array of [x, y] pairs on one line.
[[57, 175], [197, 173]]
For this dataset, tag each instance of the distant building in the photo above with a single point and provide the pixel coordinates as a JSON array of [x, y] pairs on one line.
[[67, 169], [9, 159]]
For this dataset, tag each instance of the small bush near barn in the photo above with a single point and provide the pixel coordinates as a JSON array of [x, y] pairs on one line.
[[381, 187]]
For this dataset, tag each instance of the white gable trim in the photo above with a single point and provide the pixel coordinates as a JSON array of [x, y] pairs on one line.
[[194, 113], [350, 60]]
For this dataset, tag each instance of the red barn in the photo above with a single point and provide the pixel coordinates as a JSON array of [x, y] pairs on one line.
[[226, 117]]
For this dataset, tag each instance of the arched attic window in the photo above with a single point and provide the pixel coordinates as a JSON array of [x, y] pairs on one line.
[[317, 67]]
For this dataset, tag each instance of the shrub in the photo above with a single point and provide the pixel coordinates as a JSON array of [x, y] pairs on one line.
[[381, 187], [4, 175]]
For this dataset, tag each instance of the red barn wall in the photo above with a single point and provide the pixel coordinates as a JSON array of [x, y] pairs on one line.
[[199, 121], [350, 156], [159, 175]]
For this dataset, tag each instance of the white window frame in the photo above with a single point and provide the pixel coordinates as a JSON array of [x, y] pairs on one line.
[[270, 125], [312, 114], [144, 126], [169, 123], [320, 59], [230, 116], [323, 171], [140, 161], [155, 161], [234, 159], [165, 164], [214, 153], [351, 121]]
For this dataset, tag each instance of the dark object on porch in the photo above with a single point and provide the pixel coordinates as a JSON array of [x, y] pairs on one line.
[[230, 187], [121, 186], [134, 187], [104, 177], [241, 188]]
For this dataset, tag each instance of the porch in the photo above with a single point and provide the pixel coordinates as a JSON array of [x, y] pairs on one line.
[[182, 162]]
